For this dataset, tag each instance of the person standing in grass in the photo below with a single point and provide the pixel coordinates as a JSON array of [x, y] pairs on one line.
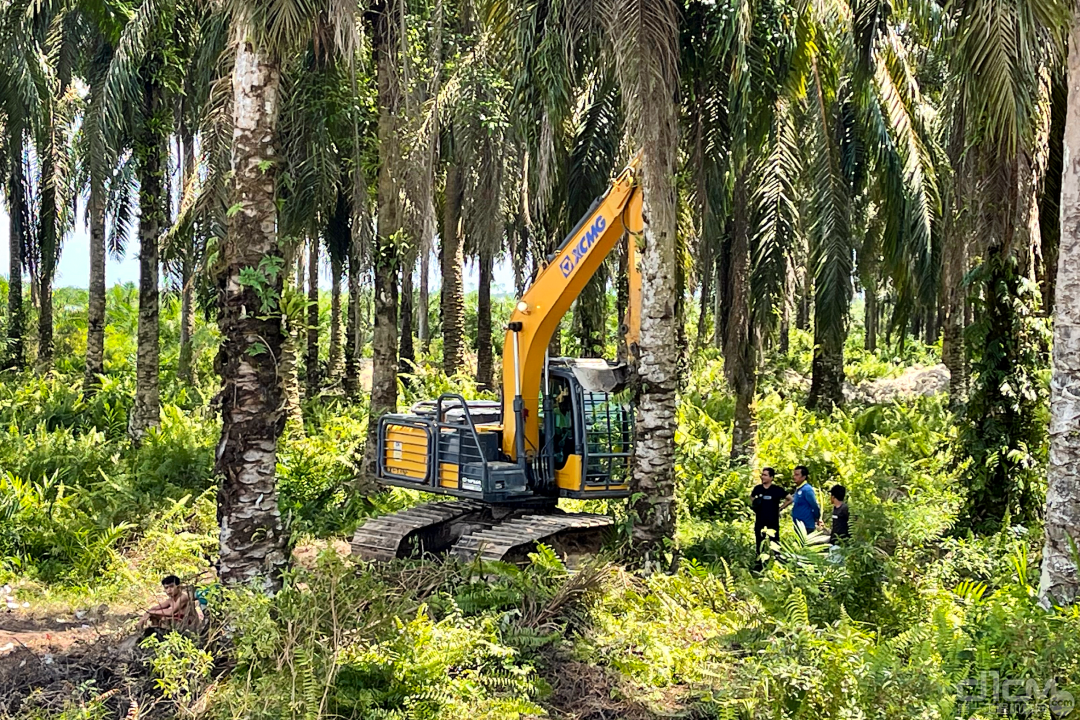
[[839, 529], [805, 510], [765, 499]]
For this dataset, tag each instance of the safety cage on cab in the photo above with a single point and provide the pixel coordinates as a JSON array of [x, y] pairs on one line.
[[453, 446]]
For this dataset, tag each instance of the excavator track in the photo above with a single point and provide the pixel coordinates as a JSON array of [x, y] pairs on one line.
[[429, 528], [511, 541]]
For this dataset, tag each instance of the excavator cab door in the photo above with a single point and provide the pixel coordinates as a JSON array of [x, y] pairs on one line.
[[591, 434]]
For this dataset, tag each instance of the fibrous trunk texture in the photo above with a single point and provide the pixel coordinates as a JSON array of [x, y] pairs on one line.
[[738, 348], [152, 153], [384, 345], [252, 539], [423, 332], [186, 365], [649, 73], [336, 364], [484, 353], [95, 314], [452, 299], [407, 351], [827, 370], [1060, 579], [353, 333], [311, 360], [290, 366], [17, 217]]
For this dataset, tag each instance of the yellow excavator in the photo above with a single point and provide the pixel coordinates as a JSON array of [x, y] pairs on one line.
[[561, 430]]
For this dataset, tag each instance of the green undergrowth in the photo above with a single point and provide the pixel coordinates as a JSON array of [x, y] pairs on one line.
[[915, 616]]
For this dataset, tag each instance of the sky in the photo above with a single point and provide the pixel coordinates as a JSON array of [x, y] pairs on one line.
[[74, 267]]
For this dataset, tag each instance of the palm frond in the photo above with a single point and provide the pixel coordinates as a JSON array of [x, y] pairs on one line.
[[122, 193], [830, 229], [775, 214]]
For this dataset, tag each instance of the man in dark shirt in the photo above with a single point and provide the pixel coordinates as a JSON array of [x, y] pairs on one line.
[[765, 499], [839, 515]]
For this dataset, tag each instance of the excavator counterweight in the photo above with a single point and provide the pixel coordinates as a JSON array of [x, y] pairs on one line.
[[563, 428]]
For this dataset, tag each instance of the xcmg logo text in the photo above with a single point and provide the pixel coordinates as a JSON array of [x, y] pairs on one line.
[[581, 248]]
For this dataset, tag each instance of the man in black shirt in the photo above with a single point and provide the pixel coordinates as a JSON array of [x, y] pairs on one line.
[[839, 515], [765, 499]]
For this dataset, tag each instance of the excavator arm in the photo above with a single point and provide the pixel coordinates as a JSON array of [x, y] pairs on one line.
[[549, 297]]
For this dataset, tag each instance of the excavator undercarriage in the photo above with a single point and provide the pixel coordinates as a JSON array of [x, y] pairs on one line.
[[468, 529]]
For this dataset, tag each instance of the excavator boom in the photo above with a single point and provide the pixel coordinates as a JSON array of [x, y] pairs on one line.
[[555, 289]]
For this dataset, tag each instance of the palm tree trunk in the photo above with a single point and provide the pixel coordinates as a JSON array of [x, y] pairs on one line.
[[650, 78], [930, 326], [45, 324], [1050, 203], [827, 370], [422, 330], [787, 301], [353, 339], [95, 315], [870, 316], [952, 344], [151, 153], [407, 354], [484, 354], [301, 268], [290, 341], [384, 344], [723, 288], [622, 299], [452, 297], [252, 539], [1060, 578], [337, 357], [802, 316], [718, 298], [186, 365], [48, 241], [16, 189], [738, 348], [311, 361]]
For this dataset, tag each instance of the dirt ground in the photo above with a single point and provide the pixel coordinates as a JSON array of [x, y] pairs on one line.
[[46, 663], [44, 634]]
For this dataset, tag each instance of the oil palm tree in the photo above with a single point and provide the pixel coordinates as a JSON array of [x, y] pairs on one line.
[[40, 45], [864, 116], [252, 539], [451, 264], [1060, 578], [136, 108], [644, 35], [385, 18], [481, 136], [97, 167], [1013, 51]]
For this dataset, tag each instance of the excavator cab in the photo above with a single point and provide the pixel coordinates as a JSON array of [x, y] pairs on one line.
[[587, 436], [453, 446]]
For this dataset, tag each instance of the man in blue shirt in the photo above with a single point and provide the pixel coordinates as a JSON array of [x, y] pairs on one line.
[[803, 501]]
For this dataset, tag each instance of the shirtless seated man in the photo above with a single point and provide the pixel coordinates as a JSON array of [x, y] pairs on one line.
[[173, 611]]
